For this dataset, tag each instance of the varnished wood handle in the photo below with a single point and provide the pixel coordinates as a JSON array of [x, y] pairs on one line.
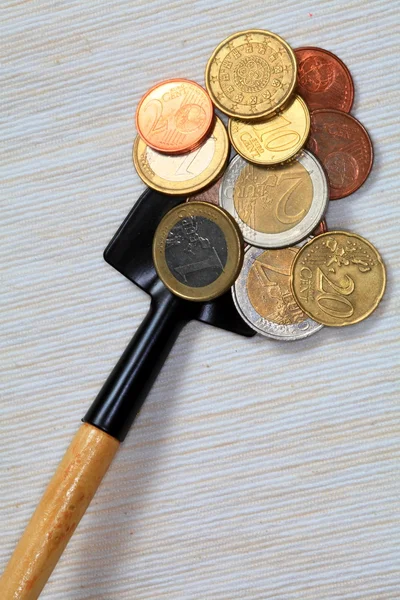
[[61, 508]]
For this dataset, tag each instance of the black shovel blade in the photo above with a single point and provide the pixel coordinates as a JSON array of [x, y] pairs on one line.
[[130, 252]]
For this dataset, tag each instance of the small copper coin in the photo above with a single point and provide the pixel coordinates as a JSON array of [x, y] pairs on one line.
[[211, 194], [322, 228], [323, 80], [174, 116], [345, 149]]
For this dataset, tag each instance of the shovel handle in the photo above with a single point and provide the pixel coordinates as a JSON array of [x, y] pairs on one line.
[[62, 506]]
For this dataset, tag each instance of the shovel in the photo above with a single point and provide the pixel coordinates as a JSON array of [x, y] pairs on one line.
[[108, 420]]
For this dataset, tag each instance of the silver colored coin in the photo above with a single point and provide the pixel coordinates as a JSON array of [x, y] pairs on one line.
[[300, 230], [298, 330]]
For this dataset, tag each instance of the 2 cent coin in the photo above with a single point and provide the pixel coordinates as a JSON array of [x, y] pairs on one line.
[[174, 116]]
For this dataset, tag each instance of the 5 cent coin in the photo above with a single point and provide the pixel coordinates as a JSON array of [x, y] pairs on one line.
[[251, 74], [338, 278], [344, 147], [174, 116], [323, 80], [274, 140]]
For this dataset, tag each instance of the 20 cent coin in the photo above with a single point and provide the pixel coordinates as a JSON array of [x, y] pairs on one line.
[[338, 278]]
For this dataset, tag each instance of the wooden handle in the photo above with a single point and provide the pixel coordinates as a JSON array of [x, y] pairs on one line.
[[61, 508]]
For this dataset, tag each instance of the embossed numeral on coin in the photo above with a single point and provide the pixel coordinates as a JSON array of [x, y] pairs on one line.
[[333, 302], [159, 124], [184, 166], [262, 275], [271, 134], [280, 210]]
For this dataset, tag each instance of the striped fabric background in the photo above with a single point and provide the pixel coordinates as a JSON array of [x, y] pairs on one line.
[[256, 470]]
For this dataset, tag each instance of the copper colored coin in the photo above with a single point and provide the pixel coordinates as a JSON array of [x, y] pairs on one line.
[[322, 228], [344, 148], [210, 194], [174, 116], [323, 80]]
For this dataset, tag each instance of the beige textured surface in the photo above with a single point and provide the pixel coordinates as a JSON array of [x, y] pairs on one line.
[[256, 470]]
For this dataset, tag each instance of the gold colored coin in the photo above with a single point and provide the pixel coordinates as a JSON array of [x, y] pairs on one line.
[[198, 251], [274, 140], [338, 278], [251, 74], [268, 287], [184, 173], [275, 199]]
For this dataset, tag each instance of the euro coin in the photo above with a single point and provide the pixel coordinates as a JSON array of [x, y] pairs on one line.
[[251, 74], [264, 299], [174, 116], [344, 148], [274, 140], [323, 80], [198, 251], [338, 278], [185, 173], [275, 206]]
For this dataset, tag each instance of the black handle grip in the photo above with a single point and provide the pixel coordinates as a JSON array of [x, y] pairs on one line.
[[125, 390]]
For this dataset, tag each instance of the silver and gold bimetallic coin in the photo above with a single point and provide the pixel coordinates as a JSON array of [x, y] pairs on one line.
[[183, 173], [251, 74], [264, 299], [275, 140], [275, 206], [198, 251]]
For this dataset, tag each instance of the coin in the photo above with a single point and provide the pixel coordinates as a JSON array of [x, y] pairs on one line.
[[338, 278], [198, 251], [323, 80], [211, 194], [321, 228], [264, 299], [174, 116], [251, 74], [344, 147], [275, 206], [274, 140], [186, 173]]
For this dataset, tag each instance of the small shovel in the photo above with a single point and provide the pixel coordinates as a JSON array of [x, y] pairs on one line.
[[108, 420]]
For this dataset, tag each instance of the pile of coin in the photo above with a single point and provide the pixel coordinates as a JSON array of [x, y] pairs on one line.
[[297, 147]]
